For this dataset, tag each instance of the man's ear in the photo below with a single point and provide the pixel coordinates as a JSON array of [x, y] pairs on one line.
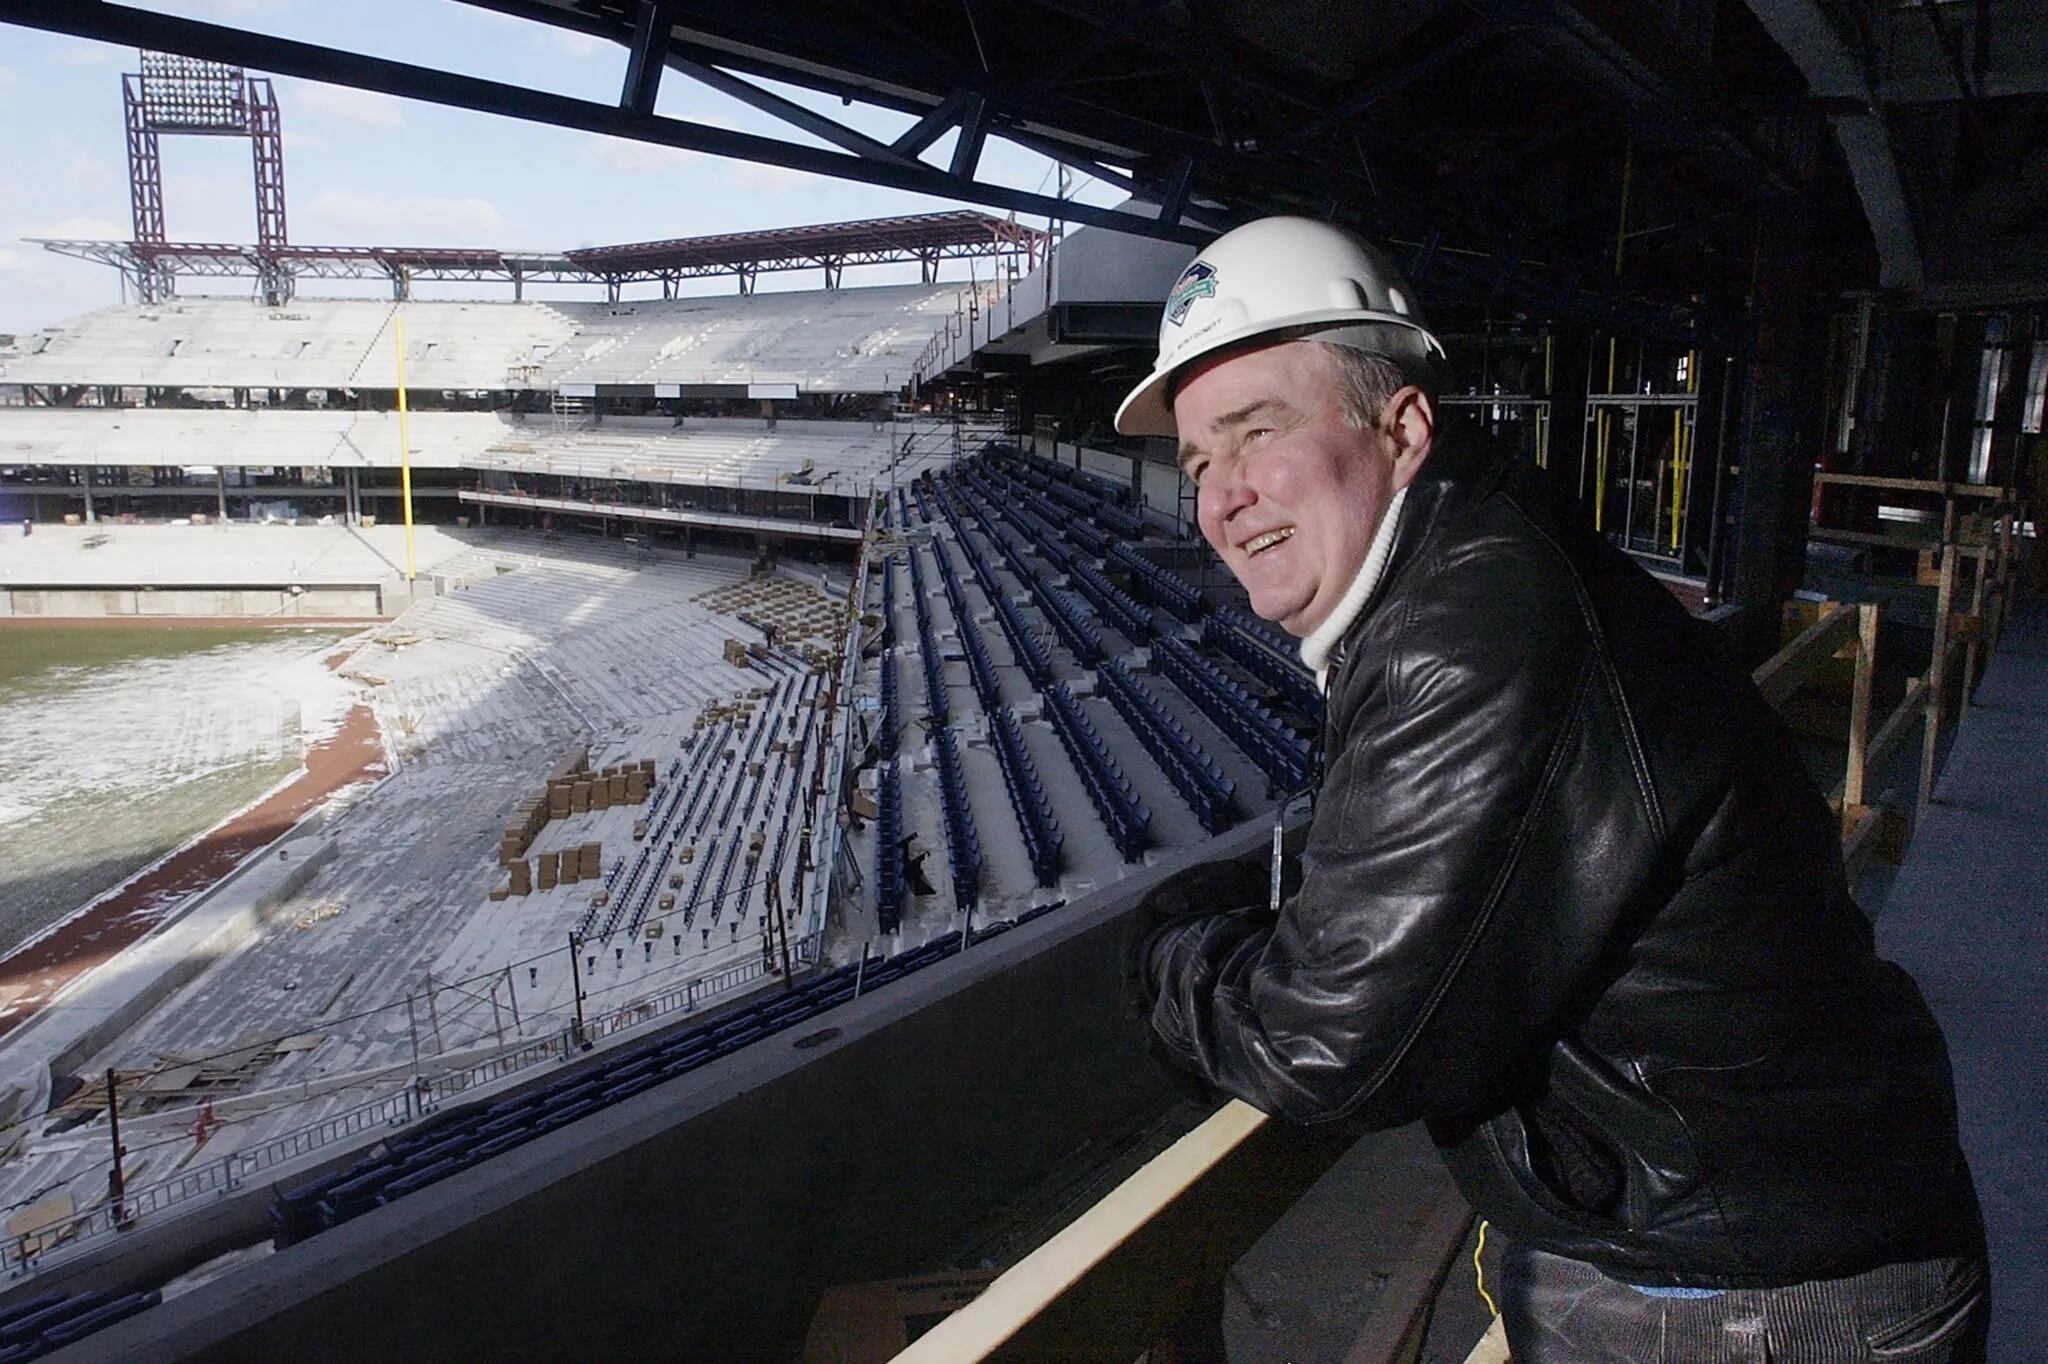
[[1411, 425]]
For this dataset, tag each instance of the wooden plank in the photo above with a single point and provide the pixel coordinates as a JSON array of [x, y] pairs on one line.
[[1904, 485], [1492, 1347], [1393, 1329], [1894, 727], [1112, 1282], [1787, 670], [1859, 704], [1896, 540], [1937, 674]]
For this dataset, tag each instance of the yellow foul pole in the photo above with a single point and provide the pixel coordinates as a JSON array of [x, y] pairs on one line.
[[404, 449]]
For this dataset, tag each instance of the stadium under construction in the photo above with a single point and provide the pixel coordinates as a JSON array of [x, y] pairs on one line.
[[754, 712]]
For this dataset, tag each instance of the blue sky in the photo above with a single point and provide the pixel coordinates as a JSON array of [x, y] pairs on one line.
[[368, 169]]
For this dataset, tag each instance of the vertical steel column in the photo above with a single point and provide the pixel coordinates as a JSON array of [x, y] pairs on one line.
[[145, 171], [1778, 404], [266, 149]]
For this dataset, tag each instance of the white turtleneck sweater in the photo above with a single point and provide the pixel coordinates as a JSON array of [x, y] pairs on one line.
[[1317, 644]]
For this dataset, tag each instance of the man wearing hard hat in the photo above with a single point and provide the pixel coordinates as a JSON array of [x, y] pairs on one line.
[[1568, 896]]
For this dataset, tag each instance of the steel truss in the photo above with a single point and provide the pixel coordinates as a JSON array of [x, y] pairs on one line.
[[1186, 184], [927, 238]]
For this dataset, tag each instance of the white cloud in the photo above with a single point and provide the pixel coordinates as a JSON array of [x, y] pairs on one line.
[[83, 53], [12, 258], [80, 228], [465, 220], [88, 170], [576, 46], [759, 178], [6, 76], [348, 103], [641, 158]]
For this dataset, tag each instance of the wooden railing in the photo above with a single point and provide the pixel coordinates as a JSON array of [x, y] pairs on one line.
[[1977, 544], [1114, 1281]]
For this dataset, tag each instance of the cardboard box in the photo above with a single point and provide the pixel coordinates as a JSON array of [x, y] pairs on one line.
[[874, 1322]]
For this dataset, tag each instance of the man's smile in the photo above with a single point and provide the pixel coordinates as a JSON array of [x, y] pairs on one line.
[[1260, 543]]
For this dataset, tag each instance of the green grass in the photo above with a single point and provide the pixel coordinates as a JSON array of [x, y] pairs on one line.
[[28, 653]]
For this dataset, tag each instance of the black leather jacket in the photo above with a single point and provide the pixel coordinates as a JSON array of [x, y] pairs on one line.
[[1569, 897]]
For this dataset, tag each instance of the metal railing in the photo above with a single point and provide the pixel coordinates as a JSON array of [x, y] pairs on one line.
[[420, 1095]]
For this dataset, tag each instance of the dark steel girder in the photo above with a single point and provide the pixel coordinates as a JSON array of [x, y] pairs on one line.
[[1835, 75], [140, 28], [940, 89]]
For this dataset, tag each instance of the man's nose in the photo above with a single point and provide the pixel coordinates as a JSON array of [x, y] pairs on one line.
[[1225, 490]]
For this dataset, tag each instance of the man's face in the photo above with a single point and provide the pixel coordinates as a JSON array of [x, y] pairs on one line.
[[1287, 493]]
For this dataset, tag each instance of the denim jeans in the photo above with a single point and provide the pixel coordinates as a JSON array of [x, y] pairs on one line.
[[1560, 1311]]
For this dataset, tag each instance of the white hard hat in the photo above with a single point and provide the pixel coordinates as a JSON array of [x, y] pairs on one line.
[[1273, 275]]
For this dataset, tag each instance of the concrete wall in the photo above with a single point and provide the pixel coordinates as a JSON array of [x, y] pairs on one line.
[[1096, 265], [359, 600], [700, 1220]]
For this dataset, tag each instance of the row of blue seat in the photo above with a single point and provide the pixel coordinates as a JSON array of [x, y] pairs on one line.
[[1095, 498], [888, 600], [38, 1324], [636, 896], [935, 703], [889, 878], [1154, 583], [1116, 494], [1025, 648], [892, 721], [1123, 813], [981, 670], [1088, 537], [1124, 613], [1201, 783], [1280, 753], [963, 844], [1260, 629], [588, 925], [1042, 836], [1289, 680], [1072, 625], [439, 1145]]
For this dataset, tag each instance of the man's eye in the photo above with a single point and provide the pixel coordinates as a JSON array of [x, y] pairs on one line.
[[1195, 471], [1257, 433]]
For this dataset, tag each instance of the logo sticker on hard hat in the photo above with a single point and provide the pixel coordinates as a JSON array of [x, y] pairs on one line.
[[1197, 281]]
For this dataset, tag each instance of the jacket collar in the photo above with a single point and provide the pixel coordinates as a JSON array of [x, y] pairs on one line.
[[1457, 467], [1317, 644]]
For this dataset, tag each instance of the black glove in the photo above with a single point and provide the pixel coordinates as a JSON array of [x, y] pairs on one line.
[[1192, 893]]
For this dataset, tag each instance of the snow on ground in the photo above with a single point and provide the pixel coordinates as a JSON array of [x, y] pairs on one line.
[[226, 552], [392, 950], [106, 769]]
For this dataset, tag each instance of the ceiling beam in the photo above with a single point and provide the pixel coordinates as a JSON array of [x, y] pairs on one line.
[[132, 27], [1835, 76]]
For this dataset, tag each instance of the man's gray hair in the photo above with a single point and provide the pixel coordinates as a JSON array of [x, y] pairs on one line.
[[1367, 381]]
